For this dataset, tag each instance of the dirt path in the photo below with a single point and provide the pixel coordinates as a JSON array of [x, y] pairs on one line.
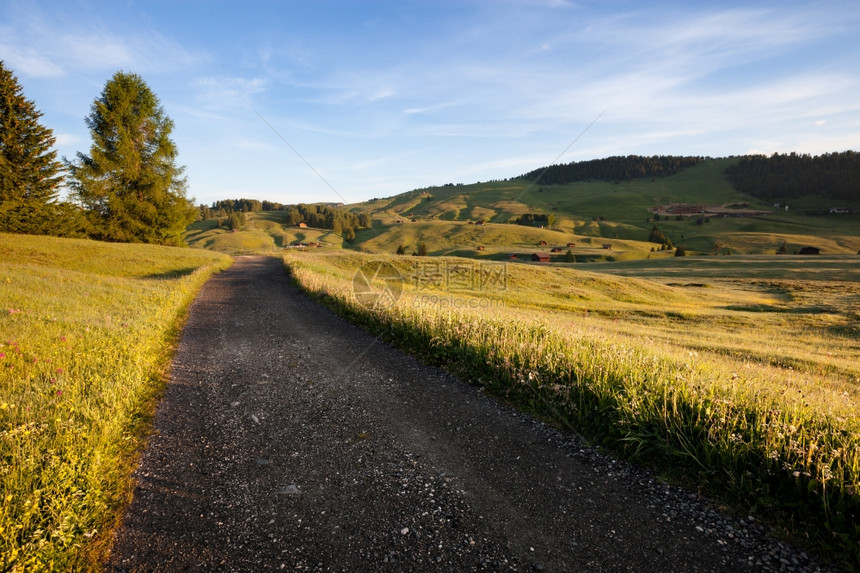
[[289, 439]]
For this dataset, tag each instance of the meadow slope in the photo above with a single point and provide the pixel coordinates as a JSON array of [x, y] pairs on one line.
[[86, 330]]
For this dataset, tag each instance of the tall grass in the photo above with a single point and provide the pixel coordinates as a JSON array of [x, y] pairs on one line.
[[729, 424], [85, 334]]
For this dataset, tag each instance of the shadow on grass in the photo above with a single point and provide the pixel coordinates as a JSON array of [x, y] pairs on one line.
[[172, 274]]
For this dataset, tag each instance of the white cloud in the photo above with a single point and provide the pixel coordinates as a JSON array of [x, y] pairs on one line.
[[67, 139], [224, 93], [37, 44]]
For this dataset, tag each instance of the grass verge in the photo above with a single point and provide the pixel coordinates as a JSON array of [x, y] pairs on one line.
[[86, 332]]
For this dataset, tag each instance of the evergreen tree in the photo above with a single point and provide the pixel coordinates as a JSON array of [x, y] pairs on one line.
[[422, 249], [569, 257], [656, 235], [130, 184], [30, 174], [681, 251]]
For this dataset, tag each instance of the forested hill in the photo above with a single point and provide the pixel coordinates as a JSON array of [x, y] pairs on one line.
[[611, 169], [833, 175]]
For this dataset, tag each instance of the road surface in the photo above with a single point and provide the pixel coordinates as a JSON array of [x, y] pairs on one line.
[[289, 439]]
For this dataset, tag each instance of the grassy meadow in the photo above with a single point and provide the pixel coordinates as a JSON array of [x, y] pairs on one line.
[[86, 330], [742, 381], [592, 213], [265, 232]]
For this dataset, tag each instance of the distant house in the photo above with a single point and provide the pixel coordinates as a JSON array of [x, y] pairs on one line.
[[541, 243], [480, 248], [414, 220], [809, 251], [571, 245], [513, 256], [607, 246], [541, 257], [839, 210], [556, 250], [303, 225], [685, 209], [480, 223]]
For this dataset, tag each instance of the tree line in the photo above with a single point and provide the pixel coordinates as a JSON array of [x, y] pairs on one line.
[[320, 216], [128, 188], [615, 168], [533, 219], [786, 176]]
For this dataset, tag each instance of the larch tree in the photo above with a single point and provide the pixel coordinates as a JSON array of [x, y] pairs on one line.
[[130, 184], [30, 175]]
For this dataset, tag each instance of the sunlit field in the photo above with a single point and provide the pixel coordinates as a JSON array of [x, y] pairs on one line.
[[744, 384], [85, 334]]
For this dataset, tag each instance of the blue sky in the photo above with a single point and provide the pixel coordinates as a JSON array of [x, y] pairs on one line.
[[381, 97]]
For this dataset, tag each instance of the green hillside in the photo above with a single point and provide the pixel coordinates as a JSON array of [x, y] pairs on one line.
[[265, 231], [593, 213], [602, 220]]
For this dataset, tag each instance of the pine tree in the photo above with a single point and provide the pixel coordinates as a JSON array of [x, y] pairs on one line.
[[30, 174], [130, 184]]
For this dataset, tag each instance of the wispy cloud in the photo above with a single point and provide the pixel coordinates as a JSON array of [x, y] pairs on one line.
[[40, 43], [221, 93]]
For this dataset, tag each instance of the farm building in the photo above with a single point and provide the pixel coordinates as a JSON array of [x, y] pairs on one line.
[[556, 250], [541, 257], [303, 225], [810, 251], [685, 209], [541, 243]]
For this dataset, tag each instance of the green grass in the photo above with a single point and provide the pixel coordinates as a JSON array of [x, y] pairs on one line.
[[598, 210], [745, 386], [86, 330], [264, 233]]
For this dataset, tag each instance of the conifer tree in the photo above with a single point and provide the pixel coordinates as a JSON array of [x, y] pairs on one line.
[[130, 184], [30, 174]]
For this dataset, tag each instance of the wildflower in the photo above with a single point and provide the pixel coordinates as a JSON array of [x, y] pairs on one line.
[[63, 338], [59, 392], [59, 370], [2, 355]]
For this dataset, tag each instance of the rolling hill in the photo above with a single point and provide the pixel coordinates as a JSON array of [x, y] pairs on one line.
[[697, 207]]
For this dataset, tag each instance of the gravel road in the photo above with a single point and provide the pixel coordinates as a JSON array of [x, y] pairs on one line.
[[289, 439]]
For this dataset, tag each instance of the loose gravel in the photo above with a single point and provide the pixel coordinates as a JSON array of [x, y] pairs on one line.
[[289, 439]]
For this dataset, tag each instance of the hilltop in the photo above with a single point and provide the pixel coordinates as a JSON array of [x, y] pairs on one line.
[[696, 206]]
